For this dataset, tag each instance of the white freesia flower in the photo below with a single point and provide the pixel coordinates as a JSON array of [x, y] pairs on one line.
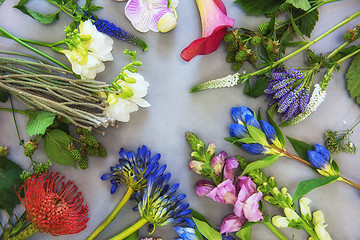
[[119, 107]]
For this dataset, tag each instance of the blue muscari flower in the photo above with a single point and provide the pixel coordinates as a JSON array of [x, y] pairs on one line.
[[110, 29], [320, 158], [159, 204], [254, 148], [134, 170]]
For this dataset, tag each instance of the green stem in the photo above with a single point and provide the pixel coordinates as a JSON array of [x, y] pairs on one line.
[[310, 231], [9, 35], [14, 110], [348, 56], [127, 232], [264, 70], [112, 215], [349, 182], [24, 234], [16, 126], [274, 230]]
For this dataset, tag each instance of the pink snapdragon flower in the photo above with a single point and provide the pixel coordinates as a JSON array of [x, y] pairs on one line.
[[218, 162], [232, 223], [224, 193], [230, 165], [203, 187], [145, 15], [214, 26]]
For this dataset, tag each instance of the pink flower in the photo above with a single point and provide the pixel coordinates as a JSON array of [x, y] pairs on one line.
[[203, 187], [230, 165], [214, 26], [247, 203], [224, 193], [232, 223], [218, 162]]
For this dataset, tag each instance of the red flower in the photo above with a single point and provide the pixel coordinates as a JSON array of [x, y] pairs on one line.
[[53, 205], [214, 26]]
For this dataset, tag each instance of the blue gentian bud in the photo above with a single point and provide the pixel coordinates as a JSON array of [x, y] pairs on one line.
[[319, 158], [254, 148], [238, 130], [269, 131]]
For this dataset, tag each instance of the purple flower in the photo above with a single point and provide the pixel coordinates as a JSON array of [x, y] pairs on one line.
[[218, 162], [230, 165], [232, 223], [203, 187], [224, 193]]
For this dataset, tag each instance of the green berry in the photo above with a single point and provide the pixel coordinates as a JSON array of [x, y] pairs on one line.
[[102, 151], [240, 56], [229, 37], [273, 56], [348, 36], [29, 149], [91, 151], [270, 47], [91, 141], [232, 46], [83, 163], [256, 40], [237, 66], [230, 57], [285, 7], [75, 153], [262, 28], [25, 175], [3, 151]]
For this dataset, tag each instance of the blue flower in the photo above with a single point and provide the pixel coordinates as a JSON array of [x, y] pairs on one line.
[[320, 158], [244, 115], [110, 29], [269, 131], [238, 130], [254, 148], [134, 170], [159, 204]]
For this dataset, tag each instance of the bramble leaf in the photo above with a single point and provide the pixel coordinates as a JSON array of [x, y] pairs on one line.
[[55, 144], [9, 178], [38, 122], [353, 77], [258, 89], [306, 24], [306, 186], [301, 4], [259, 7]]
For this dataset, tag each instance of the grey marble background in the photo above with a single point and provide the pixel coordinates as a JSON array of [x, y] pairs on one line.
[[174, 111]]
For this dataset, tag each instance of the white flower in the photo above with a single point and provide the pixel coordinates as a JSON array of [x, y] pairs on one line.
[[304, 207], [167, 22], [319, 222], [144, 15], [119, 107], [280, 221], [291, 214]]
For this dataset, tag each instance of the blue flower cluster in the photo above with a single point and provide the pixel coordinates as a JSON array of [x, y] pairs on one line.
[[262, 144], [287, 89], [112, 30]]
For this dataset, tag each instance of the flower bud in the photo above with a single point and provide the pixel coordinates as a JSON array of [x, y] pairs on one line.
[[167, 22], [232, 223], [218, 162], [319, 222], [203, 187], [196, 166], [280, 221], [211, 149], [304, 207], [291, 214]]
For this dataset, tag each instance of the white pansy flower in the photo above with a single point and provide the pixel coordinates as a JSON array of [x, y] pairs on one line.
[[120, 107]]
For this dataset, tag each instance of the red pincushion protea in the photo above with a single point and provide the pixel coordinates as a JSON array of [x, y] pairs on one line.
[[53, 205]]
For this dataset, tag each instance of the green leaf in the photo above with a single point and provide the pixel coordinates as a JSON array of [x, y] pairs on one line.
[[1, 1], [258, 88], [9, 178], [4, 95], [345, 52], [198, 216], [206, 230], [258, 135], [262, 163], [312, 59], [39, 121], [42, 18], [245, 232], [279, 134], [286, 37], [55, 144], [301, 4], [133, 236], [353, 77], [259, 7], [306, 186], [301, 148], [306, 24]]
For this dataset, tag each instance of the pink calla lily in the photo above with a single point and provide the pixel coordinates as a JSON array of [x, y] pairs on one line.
[[214, 26]]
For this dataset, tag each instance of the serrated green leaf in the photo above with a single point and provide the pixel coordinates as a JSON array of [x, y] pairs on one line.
[[42, 18], [198, 216], [262, 163], [306, 186], [306, 24], [279, 133], [353, 77], [258, 89], [4, 95], [259, 7], [301, 148], [301, 4], [258, 135], [9, 178], [245, 232], [55, 144], [38, 122], [133, 236], [206, 230]]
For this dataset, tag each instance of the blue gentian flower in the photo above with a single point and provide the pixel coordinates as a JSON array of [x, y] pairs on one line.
[[244, 115], [254, 148], [112, 30], [159, 204], [269, 131], [320, 158], [134, 170], [238, 130]]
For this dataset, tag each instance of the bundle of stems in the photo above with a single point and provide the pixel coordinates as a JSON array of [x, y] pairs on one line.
[[40, 85]]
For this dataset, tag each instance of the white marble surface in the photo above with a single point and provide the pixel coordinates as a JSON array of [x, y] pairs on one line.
[[174, 111]]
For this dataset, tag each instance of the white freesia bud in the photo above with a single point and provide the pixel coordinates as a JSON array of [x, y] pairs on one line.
[[280, 221], [167, 22], [291, 214], [304, 207]]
